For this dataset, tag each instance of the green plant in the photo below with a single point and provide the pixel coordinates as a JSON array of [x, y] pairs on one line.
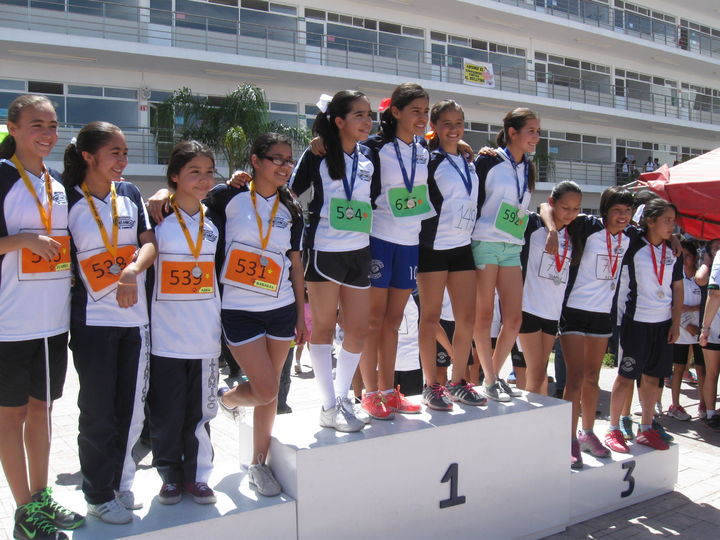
[[609, 360]]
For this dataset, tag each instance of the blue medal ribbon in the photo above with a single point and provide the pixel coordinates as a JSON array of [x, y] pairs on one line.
[[467, 180], [520, 189], [409, 182], [350, 186]]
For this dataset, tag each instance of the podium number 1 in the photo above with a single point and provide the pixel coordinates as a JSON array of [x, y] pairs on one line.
[[451, 475]]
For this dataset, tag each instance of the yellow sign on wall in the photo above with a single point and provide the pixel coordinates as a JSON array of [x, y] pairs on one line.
[[478, 73]]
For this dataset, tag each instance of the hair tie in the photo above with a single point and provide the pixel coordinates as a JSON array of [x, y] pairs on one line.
[[73, 141], [323, 102], [384, 104]]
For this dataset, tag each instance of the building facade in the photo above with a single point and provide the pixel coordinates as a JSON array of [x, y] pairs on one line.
[[610, 79]]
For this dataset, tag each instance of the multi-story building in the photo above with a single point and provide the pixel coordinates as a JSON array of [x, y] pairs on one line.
[[611, 79]]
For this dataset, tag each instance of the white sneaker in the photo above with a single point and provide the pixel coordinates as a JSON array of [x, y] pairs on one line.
[[263, 480], [340, 419], [127, 499], [495, 392], [111, 512], [237, 414], [509, 390], [356, 410]]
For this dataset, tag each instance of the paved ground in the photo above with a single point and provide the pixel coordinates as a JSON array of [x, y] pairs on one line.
[[692, 511]]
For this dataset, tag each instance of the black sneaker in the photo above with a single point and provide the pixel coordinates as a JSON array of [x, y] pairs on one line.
[[56, 514], [32, 524], [713, 423], [465, 393], [435, 397]]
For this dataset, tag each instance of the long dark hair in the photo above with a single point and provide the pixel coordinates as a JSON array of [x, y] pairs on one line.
[[654, 209], [578, 242], [90, 139], [401, 97], [325, 127], [516, 119], [437, 109], [260, 148], [17, 106], [183, 153]]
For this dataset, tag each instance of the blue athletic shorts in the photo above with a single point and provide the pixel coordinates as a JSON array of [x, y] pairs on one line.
[[392, 265], [241, 327]]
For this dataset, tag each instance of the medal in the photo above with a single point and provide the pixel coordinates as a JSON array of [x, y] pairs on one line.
[[349, 213], [660, 294], [115, 269], [661, 273], [612, 285], [613, 267], [560, 262], [520, 213], [521, 189], [264, 239], [409, 181], [264, 261], [195, 247], [410, 203], [557, 280], [349, 186], [45, 215], [111, 246]]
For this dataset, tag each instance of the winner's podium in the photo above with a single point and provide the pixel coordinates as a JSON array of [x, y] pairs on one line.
[[500, 471]]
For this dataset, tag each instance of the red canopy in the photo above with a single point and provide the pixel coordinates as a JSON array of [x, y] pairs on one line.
[[694, 187]]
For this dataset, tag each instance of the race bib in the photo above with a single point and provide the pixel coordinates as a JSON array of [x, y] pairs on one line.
[[32, 267], [464, 216], [96, 267], [409, 204], [243, 269], [353, 216], [512, 220], [183, 278], [548, 269]]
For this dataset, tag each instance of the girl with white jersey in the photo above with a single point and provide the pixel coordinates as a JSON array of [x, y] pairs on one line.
[[650, 305], [34, 320], [507, 178], [400, 199], [445, 258], [112, 246], [585, 321], [710, 335], [337, 252], [545, 279], [261, 229], [689, 331], [184, 359]]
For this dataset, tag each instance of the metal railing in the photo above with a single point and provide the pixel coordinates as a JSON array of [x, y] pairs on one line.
[[175, 29]]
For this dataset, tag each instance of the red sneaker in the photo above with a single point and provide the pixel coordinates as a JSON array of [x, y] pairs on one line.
[[651, 438], [399, 403], [377, 406], [615, 441]]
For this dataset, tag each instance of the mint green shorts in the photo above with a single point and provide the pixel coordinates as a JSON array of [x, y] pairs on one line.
[[498, 253]]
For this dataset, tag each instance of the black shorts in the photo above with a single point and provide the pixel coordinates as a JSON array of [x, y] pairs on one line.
[[517, 357], [585, 323], [22, 370], [241, 327], [680, 354], [532, 323], [445, 260], [351, 268], [410, 382], [644, 350], [443, 358]]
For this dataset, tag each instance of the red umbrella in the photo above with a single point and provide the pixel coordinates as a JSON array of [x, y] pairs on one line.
[[694, 187]]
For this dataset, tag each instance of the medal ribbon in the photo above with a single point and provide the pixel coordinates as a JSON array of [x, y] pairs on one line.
[[110, 246], [409, 182], [465, 179], [263, 239], [350, 186], [196, 247], [608, 241], [660, 275], [521, 189], [559, 263], [45, 215]]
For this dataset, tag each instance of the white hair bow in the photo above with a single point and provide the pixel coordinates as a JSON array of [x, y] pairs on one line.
[[73, 140], [322, 103]]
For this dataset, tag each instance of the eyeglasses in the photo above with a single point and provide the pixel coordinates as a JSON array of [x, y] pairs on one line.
[[280, 161]]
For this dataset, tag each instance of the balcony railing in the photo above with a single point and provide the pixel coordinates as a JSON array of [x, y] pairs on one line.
[[175, 29]]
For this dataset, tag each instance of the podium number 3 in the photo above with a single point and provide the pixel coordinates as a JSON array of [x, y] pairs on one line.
[[630, 466], [451, 475]]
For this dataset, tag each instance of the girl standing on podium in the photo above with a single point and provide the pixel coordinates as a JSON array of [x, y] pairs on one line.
[[34, 319], [185, 330], [112, 245], [261, 227], [337, 253]]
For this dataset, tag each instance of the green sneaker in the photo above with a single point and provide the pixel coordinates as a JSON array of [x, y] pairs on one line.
[[31, 523], [56, 514]]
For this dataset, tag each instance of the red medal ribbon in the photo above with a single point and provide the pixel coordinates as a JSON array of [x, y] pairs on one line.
[[660, 275], [559, 263], [608, 241]]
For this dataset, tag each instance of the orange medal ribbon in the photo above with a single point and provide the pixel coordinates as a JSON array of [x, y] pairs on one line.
[[45, 215], [112, 247], [264, 239], [195, 247]]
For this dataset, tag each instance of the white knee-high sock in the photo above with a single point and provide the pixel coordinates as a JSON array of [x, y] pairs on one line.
[[347, 363], [321, 356]]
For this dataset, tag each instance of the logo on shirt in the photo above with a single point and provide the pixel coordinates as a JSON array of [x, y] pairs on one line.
[[59, 197], [364, 176], [209, 235], [281, 222], [126, 222], [421, 159], [376, 266], [628, 364]]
